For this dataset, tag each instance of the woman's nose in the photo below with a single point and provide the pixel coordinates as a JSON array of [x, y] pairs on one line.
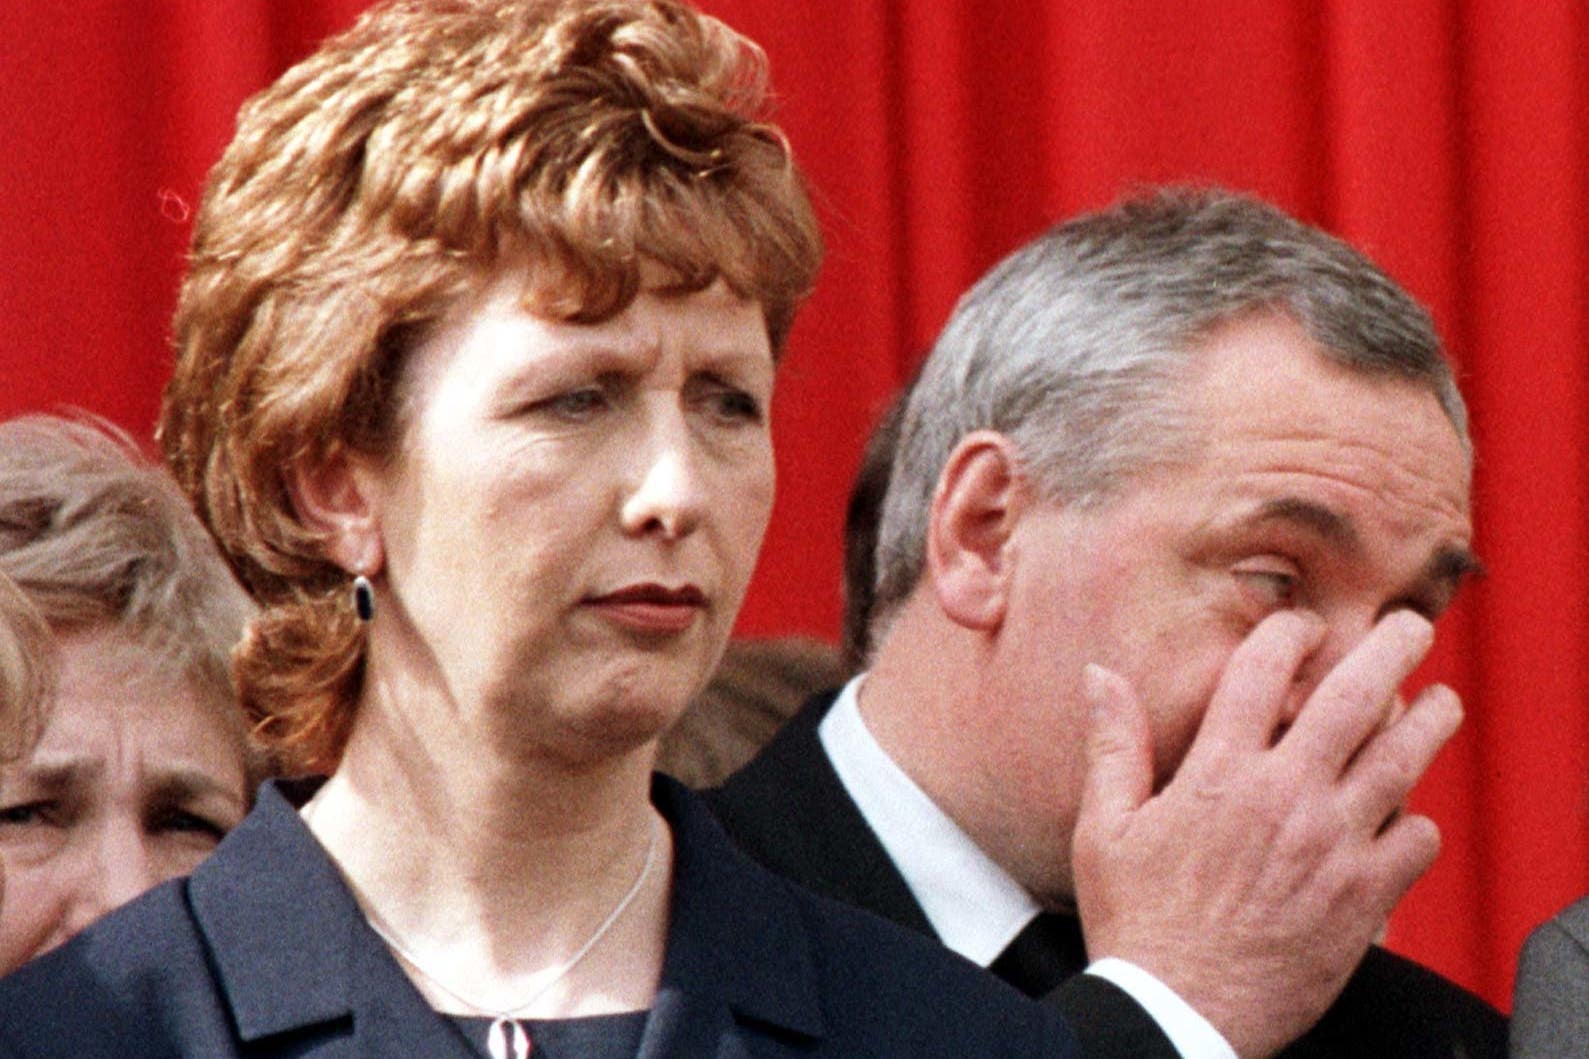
[[120, 866], [665, 498]]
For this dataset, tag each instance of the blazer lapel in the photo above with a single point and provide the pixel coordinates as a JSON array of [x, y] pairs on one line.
[[788, 809], [739, 958], [291, 949]]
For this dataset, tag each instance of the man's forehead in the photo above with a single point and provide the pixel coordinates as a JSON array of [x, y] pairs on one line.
[[1262, 386], [1270, 350]]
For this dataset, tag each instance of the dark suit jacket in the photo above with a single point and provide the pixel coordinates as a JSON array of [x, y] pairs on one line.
[[1550, 1008], [789, 811], [263, 952]]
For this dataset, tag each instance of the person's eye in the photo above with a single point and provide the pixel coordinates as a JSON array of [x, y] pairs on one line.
[[182, 822], [575, 405], [1272, 583], [30, 814], [730, 404]]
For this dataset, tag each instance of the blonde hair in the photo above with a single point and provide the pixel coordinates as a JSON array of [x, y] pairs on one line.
[[26, 669], [93, 534], [389, 176]]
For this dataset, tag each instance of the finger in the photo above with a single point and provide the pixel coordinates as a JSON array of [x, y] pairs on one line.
[[1405, 850], [1252, 691], [1395, 758], [1119, 751], [1354, 698]]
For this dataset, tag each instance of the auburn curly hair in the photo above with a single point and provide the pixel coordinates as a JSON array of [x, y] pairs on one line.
[[391, 175]]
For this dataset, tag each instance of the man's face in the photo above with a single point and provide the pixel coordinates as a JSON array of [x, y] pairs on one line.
[[1307, 487]]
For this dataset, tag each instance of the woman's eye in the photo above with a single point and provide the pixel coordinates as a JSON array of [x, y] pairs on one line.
[[576, 404], [180, 821], [735, 406], [28, 814], [573, 405]]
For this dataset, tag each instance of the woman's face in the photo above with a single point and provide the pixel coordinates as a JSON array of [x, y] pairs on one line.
[[573, 513], [134, 779]]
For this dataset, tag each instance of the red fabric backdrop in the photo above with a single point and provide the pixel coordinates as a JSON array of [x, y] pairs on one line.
[[1447, 138]]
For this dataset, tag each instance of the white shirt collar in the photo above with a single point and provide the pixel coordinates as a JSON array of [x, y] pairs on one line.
[[974, 905]]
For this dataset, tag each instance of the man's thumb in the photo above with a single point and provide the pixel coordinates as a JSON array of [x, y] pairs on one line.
[[1119, 749]]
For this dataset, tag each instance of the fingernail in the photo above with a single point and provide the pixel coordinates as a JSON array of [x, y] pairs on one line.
[[1419, 628]]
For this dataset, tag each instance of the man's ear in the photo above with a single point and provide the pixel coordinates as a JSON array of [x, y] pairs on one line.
[[335, 496], [979, 499]]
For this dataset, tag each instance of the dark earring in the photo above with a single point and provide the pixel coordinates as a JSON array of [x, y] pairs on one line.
[[363, 598]]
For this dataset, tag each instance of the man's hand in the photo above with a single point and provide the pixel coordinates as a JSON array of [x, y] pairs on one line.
[[1254, 882]]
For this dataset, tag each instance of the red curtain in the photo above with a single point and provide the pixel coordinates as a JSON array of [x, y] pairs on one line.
[[1449, 138]]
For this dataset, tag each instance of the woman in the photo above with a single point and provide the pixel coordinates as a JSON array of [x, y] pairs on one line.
[[472, 385], [24, 677], [141, 763], [25, 673]]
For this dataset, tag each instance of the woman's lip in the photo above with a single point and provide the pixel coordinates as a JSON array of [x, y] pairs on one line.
[[683, 595], [652, 608]]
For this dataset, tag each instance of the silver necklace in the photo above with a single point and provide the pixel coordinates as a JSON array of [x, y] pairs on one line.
[[507, 1036]]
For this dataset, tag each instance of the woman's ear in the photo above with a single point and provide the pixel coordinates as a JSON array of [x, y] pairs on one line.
[[979, 498], [336, 497]]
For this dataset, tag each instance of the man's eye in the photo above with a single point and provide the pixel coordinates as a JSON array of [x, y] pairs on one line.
[[1273, 587]]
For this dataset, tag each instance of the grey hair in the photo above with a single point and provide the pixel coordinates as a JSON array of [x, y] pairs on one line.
[[27, 669], [1073, 347], [95, 534]]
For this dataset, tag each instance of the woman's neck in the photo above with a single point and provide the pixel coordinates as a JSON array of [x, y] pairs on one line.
[[493, 869]]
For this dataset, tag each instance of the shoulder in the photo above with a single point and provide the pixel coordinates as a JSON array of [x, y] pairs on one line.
[[786, 806], [789, 755], [1549, 1014], [146, 980], [119, 988], [1565, 935], [844, 981], [899, 992], [1393, 1006]]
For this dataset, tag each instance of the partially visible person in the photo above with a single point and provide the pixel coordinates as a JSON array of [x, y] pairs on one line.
[[861, 516], [26, 670], [1550, 1000], [758, 685], [1220, 453], [25, 677], [142, 762]]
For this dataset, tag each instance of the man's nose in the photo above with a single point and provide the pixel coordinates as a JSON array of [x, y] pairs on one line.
[[1343, 631], [664, 495]]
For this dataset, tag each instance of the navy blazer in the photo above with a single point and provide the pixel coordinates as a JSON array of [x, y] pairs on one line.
[[789, 810], [263, 952]]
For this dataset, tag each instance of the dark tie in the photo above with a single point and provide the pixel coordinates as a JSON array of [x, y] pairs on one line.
[[1047, 951]]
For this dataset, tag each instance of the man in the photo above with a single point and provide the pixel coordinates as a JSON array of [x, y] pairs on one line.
[[1175, 499]]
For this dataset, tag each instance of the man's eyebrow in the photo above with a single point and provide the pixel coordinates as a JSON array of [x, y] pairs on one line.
[[1450, 565], [1325, 521]]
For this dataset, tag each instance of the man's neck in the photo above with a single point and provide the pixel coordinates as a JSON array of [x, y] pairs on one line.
[[928, 700]]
